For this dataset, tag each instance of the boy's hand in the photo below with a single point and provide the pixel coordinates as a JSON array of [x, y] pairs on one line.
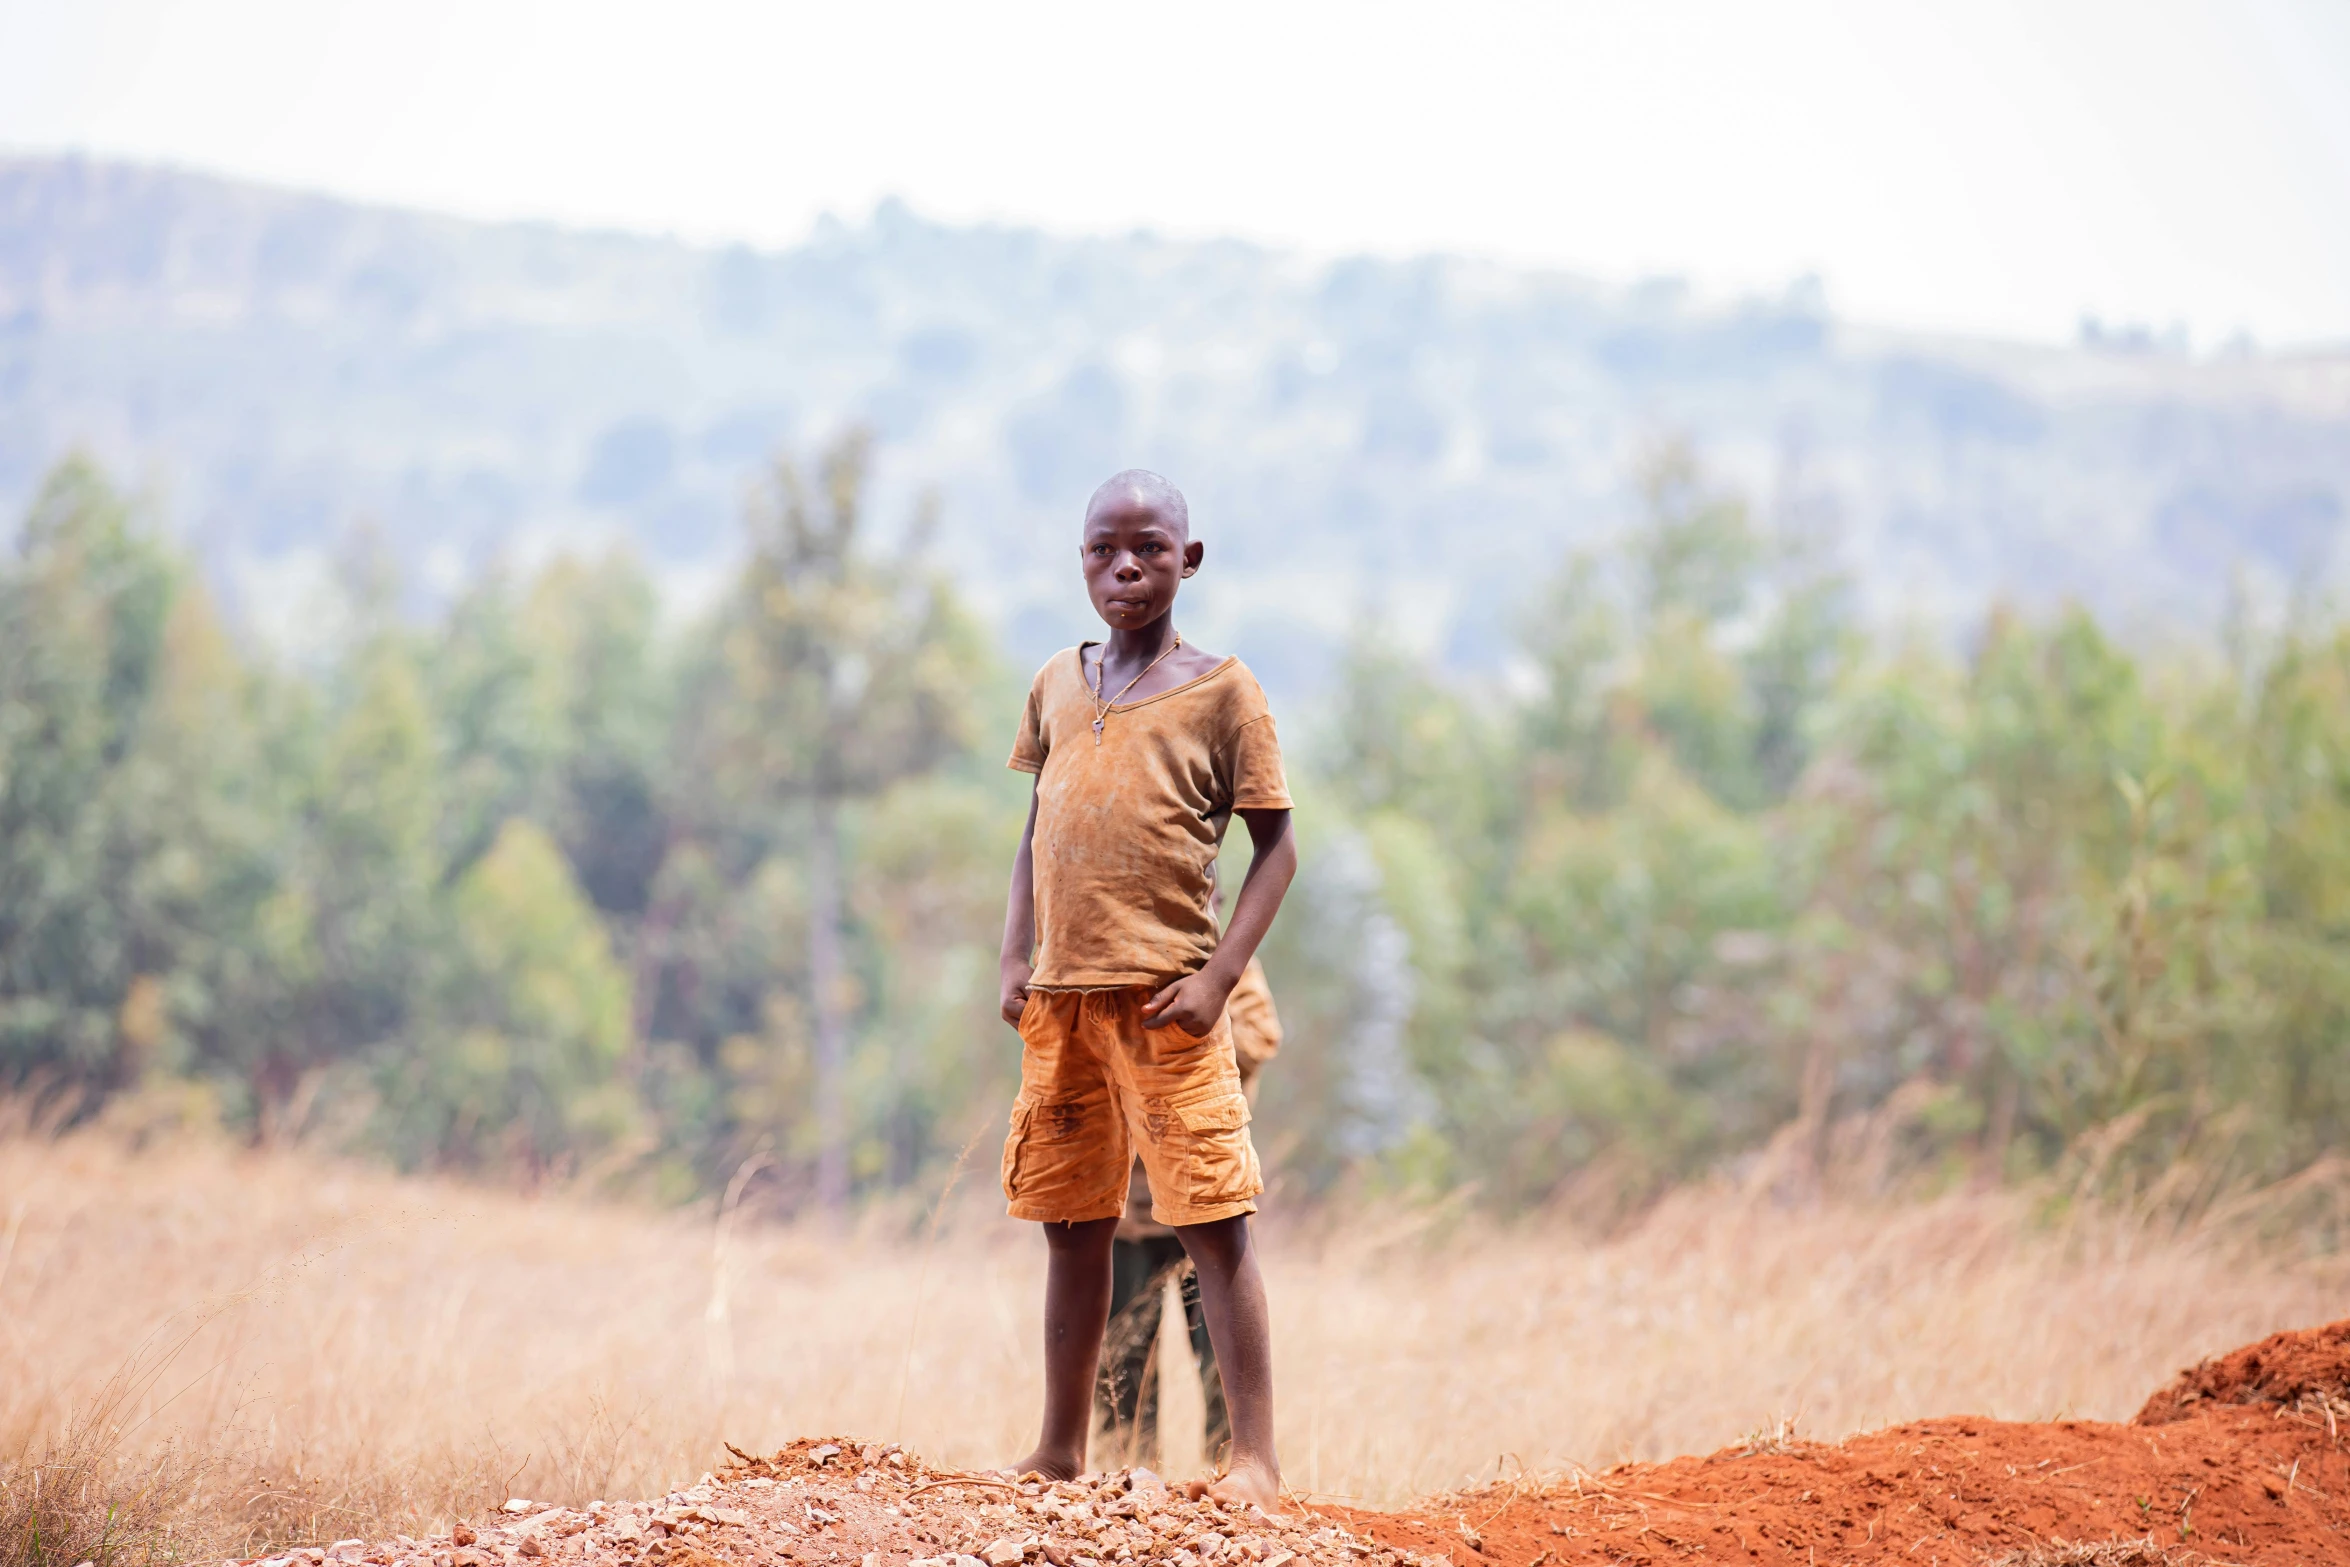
[[1192, 1003], [1013, 998]]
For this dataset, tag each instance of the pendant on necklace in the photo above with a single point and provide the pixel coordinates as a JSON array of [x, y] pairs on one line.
[[1097, 731]]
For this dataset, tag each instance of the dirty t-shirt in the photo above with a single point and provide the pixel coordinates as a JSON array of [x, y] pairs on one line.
[[1124, 851]]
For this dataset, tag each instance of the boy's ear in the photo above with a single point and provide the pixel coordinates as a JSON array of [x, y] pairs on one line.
[[1193, 553]]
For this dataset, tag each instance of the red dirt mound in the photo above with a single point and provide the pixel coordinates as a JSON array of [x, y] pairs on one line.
[[2308, 1369], [2241, 1460], [2232, 1485]]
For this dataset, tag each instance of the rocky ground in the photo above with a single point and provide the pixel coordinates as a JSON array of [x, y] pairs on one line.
[[823, 1502]]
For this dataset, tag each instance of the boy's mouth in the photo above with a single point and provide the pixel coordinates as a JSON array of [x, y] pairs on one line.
[[1130, 606]]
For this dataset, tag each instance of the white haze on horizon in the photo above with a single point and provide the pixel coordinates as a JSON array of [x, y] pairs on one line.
[[2000, 166]]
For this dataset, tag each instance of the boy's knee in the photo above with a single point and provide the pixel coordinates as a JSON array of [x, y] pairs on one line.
[[1080, 1235], [1218, 1245]]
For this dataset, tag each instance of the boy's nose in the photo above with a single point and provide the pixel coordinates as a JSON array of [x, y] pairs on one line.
[[1129, 569]]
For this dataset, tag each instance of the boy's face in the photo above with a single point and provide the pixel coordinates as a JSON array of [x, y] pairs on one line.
[[1135, 556]]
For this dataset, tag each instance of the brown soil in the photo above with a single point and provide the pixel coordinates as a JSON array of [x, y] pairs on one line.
[[2310, 1368], [2240, 1460], [2236, 1485]]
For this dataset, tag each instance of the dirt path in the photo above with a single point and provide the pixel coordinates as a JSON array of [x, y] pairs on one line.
[[2238, 1460]]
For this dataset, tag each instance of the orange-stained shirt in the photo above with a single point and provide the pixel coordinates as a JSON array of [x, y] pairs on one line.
[[1127, 830]]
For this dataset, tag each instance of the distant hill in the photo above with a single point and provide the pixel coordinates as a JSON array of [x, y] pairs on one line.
[[1415, 440]]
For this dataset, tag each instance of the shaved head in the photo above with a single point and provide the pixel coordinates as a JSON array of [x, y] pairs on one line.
[[1139, 487]]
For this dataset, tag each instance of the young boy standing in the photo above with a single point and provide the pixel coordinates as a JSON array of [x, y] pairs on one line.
[[1144, 748]]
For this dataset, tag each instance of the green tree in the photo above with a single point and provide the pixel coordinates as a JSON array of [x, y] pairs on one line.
[[516, 1058], [83, 614], [839, 673]]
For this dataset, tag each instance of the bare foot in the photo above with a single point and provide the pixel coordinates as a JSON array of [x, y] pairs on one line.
[[1053, 1466], [1252, 1482]]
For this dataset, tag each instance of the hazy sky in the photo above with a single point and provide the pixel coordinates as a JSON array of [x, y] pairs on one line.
[[1980, 165]]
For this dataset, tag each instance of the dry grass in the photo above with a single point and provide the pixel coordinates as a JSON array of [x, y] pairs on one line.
[[79, 1492], [364, 1353]]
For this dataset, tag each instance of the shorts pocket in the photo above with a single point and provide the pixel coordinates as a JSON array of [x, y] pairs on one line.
[[1015, 1144], [1220, 1162], [1059, 1156], [1190, 1057], [1185, 1041], [1030, 1010], [1223, 1113]]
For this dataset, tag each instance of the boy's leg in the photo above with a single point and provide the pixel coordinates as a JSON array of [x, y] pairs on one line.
[[1065, 1167], [1211, 1381], [1232, 1298], [1076, 1308]]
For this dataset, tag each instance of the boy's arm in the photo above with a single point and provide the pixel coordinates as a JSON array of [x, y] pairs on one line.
[[1194, 1002], [1013, 966]]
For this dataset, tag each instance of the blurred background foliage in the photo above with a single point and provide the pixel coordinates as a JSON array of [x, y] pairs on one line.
[[554, 889]]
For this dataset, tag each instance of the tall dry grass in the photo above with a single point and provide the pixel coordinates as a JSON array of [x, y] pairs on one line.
[[252, 1346]]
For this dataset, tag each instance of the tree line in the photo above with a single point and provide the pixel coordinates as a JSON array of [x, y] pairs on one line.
[[546, 887]]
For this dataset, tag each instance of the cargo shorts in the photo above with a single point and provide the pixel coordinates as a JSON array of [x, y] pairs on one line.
[[1097, 1089]]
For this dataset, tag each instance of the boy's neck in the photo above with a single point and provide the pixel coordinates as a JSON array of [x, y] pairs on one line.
[[1141, 644]]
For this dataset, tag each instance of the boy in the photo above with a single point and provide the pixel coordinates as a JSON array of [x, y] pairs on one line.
[[1144, 748], [1143, 1257]]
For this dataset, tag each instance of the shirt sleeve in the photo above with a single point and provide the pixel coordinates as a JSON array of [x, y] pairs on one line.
[[1258, 783], [1029, 749]]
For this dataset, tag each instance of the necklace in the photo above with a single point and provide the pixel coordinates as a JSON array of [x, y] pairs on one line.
[[1101, 670]]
